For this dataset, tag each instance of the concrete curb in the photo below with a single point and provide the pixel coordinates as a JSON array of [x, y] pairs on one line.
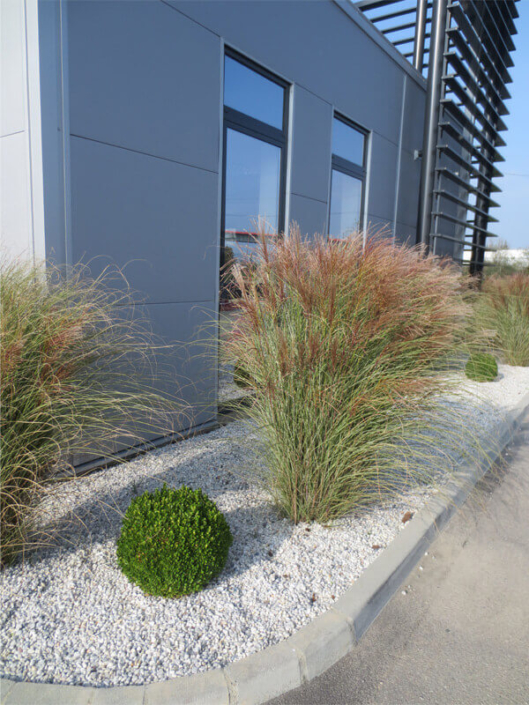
[[315, 648]]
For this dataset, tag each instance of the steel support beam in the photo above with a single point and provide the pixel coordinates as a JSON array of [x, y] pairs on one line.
[[431, 123], [420, 34]]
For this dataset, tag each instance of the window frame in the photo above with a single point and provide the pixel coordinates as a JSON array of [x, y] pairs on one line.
[[345, 166], [252, 127]]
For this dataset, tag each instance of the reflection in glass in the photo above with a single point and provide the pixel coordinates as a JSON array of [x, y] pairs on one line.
[[346, 204], [252, 187], [347, 142], [252, 94]]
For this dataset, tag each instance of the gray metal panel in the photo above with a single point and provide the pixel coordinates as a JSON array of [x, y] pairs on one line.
[[191, 368], [311, 147], [159, 216], [310, 215], [13, 85], [316, 45], [410, 177], [382, 175], [144, 77], [413, 117], [52, 131], [406, 233], [383, 226]]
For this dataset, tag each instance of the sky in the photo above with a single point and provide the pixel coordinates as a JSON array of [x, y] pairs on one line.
[[513, 213]]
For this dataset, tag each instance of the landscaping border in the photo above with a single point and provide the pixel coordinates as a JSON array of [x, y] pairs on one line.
[[317, 646]]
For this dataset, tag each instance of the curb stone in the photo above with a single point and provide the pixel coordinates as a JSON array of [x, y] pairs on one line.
[[317, 646]]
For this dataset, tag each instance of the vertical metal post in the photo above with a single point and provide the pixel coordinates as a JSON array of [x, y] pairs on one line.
[[431, 120], [420, 33]]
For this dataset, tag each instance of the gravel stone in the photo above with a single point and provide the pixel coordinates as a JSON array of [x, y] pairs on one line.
[[70, 616]]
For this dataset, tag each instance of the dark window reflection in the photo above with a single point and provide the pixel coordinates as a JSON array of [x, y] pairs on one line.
[[346, 204], [251, 93], [347, 142], [253, 170]]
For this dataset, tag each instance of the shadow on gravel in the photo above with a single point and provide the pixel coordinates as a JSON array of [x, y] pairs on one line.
[[258, 531], [86, 511]]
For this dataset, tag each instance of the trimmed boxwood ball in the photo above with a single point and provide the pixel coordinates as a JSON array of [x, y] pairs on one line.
[[173, 541], [481, 367]]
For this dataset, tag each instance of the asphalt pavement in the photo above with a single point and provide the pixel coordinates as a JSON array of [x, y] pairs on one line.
[[457, 633]]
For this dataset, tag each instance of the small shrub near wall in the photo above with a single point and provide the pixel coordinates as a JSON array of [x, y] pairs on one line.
[[76, 377], [481, 367], [341, 345]]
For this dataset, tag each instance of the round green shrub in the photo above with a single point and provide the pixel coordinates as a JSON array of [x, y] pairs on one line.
[[173, 542], [481, 367]]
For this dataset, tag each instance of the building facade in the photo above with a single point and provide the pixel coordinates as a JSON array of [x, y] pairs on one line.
[[153, 134]]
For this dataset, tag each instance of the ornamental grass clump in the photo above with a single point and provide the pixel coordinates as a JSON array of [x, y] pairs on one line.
[[77, 376], [173, 542], [502, 313], [344, 346]]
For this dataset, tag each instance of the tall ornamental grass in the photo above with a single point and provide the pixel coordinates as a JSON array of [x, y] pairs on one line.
[[76, 378], [502, 311], [346, 349]]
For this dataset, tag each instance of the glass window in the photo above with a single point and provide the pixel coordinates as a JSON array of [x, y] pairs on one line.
[[347, 142], [253, 169], [251, 93], [254, 158], [346, 204]]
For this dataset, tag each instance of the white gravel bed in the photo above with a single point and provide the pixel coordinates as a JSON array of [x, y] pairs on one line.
[[70, 616], [228, 390]]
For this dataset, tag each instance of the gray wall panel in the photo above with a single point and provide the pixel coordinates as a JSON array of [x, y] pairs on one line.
[[310, 215], [316, 45], [414, 107], [405, 233], [382, 178], [158, 215], [311, 146], [144, 77], [188, 371], [384, 226], [53, 143], [410, 177]]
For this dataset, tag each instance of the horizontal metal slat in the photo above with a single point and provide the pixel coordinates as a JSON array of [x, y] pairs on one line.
[[475, 65], [407, 40], [373, 4], [464, 184], [469, 166], [477, 157], [480, 157], [465, 243], [475, 134], [398, 13], [466, 123], [504, 21], [511, 5], [399, 28], [501, 40], [500, 55], [492, 102], [472, 107], [469, 224], [465, 27], [460, 202]]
